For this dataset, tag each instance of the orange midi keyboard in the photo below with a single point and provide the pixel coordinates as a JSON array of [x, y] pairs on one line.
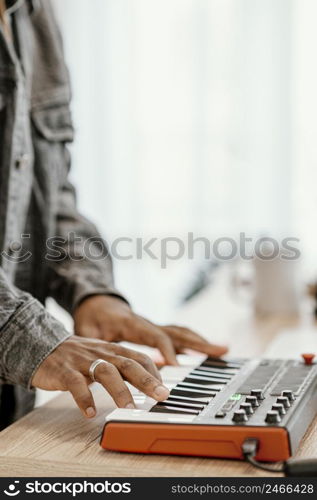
[[216, 405]]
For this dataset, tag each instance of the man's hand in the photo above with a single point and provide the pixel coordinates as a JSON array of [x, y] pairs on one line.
[[111, 319], [67, 369]]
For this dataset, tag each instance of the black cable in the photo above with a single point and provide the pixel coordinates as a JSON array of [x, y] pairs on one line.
[[269, 468], [291, 468], [249, 449], [259, 465]]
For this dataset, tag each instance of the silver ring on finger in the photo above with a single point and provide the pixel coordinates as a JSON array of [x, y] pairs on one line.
[[93, 367]]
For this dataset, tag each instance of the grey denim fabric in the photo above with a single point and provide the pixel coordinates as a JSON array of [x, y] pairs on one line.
[[37, 201]]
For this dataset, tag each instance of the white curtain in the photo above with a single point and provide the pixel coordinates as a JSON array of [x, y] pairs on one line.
[[193, 115]]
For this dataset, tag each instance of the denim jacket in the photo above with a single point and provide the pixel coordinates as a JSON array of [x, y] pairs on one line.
[[37, 201]]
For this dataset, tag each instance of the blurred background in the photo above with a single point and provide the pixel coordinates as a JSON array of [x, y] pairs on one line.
[[193, 116]]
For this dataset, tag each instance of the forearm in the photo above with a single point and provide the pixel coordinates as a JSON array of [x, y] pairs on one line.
[[28, 334]]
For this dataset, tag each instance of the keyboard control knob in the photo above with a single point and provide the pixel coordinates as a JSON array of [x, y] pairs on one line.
[[272, 417], [247, 407], [284, 401], [280, 408], [257, 393], [252, 400], [289, 394], [240, 416]]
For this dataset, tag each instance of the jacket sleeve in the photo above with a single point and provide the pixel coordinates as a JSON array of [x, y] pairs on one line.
[[81, 264], [28, 334], [74, 270]]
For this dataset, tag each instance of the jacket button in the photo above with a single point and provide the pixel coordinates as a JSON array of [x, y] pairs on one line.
[[22, 161]]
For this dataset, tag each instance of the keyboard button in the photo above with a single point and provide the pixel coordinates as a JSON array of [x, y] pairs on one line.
[[257, 393], [280, 408], [289, 394], [253, 400], [240, 416], [272, 417], [284, 401], [220, 414], [228, 406], [247, 407]]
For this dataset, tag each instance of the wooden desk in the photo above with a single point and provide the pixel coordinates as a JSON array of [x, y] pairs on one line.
[[55, 440]]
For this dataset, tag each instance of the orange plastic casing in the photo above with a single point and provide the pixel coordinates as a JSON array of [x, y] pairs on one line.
[[195, 440]]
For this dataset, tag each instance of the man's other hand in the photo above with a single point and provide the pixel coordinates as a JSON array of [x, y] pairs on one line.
[[111, 319]]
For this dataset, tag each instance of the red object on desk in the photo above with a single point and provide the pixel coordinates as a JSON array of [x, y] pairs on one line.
[[308, 358]]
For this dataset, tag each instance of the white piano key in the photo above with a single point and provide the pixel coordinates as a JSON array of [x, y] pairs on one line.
[[122, 414], [190, 361], [174, 373], [204, 401]]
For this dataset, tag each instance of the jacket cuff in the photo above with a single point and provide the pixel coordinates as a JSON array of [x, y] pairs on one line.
[[26, 340]]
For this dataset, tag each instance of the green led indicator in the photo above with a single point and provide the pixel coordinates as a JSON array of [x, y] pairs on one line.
[[235, 397]]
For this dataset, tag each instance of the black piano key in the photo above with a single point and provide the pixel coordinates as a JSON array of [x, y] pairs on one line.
[[196, 385], [220, 371], [191, 393], [212, 373], [178, 404], [184, 399], [219, 364], [238, 362], [214, 358], [203, 381], [210, 376], [170, 409], [202, 388]]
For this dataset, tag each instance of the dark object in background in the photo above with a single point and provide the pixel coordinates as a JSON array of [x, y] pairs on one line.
[[200, 280], [9, 395], [312, 292]]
